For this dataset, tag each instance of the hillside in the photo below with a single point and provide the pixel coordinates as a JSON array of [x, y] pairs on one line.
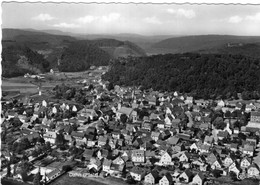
[[18, 60], [79, 56], [118, 48], [52, 47], [198, 74], [209, 44]]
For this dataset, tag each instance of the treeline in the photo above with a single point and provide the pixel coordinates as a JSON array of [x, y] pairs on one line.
[[11, 55], [201, 75], [79, 56]]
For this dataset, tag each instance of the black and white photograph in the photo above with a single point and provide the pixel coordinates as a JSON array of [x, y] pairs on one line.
[[119, 93]]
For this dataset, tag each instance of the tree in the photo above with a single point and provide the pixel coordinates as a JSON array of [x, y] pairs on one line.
[[59, 141], [228, 114], [66, 168], [35, 153], [216, 173], [90, 87], [219, 123], [40, 140], [37, 179], [24, 176], [233, 175], [8, 173], [110, 86], [123, 118]]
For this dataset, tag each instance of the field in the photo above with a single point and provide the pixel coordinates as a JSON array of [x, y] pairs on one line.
[[66, 180], [5, 181]]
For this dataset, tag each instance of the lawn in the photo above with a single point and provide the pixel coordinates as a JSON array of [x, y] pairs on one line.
[[66, 180], [5, 181]]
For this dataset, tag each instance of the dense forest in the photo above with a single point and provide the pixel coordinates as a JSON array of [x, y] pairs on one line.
[[202, 75], [79, 56], [32, 61]]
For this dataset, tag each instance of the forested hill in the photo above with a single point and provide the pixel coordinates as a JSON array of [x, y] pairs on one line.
[[201, 75], [72, 54], [116, 48], [81, 55], [18, 60], [211, 44]]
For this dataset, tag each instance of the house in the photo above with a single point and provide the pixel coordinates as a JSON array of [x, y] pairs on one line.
[[137, 173], [222, 134], [216, 164], [221, 103], [166, 159], [184, 157], [50, 136], [106, 165], [186, 176], [53, 175], [208, 140], [250, 107], [161, 124], [155, 135], [253, 170], [166, 180], [189, 100], [91, 141], [248, 150], [88, 154], [234, 147], [138, 156], [204, 148], [118, 161], [116, 134], [173, 140], [178, 148], [113, 143], [88, 113], [102, 140], [151, 178], [245, 162], [234, 168], [254, 120], [95, 164], [129, 112], [198, 179], [147, 126], [228, 161], [116, 169], [194, 146]]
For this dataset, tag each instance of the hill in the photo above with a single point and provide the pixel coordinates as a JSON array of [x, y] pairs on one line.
[[53, 47], [198, 74], [18, 60], [81, 55], [209, 44]]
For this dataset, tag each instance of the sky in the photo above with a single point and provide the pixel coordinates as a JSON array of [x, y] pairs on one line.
[[145, 19]]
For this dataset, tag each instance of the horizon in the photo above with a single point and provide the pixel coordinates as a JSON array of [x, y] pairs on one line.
[[118, 34], [139, 19]]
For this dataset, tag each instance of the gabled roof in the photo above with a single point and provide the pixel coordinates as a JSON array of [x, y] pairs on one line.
[[201, 176], [77, 134], [125, 110], [107, 162], [168, 177], [255, 113], [188, 173], [173, 140], [138, 170], [254, 165]]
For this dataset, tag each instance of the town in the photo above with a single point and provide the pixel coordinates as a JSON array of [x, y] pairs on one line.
[[130, 136]]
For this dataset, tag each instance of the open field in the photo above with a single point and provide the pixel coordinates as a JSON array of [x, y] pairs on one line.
[[66, 180], [5, 181]]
